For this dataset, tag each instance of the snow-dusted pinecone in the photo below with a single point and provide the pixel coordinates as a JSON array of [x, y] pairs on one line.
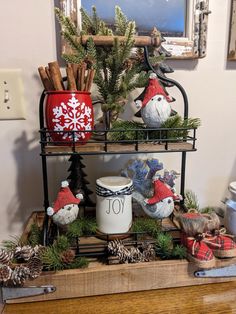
[[5, 274], [114, 246], [35, 266], [5, 257], [67, 256], [19, 275], [149, 253], [135, 255], [24, 252]]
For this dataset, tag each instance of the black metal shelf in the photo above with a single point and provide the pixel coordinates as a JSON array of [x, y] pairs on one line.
[[156, 144], [163, 143]]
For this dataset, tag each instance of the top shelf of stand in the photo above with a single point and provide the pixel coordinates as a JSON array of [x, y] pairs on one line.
[[162, 142]]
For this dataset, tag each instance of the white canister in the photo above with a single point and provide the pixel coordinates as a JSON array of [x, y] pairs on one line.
[[230, 215], [114, 204]]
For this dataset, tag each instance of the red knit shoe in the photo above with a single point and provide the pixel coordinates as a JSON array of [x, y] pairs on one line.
[[198, 251], [218, 237], [226, 245]]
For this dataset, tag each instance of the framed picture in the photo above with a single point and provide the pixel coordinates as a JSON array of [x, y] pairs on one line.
[[232, 33], [183, 23]]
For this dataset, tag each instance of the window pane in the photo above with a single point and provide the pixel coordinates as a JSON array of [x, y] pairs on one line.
[[167, 15]]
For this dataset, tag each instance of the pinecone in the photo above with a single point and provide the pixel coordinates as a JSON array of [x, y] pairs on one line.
[[135, 255], [118, 249], [24, 252], [19, 275], [5, 273], [149, 253], [67, 256], [38, 249], [35, 266], [5, 257]]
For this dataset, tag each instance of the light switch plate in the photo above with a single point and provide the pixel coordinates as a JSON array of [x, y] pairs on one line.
[[12, 102]]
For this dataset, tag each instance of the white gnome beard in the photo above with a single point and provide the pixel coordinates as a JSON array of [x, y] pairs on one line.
[[158, 210], [156, 111], [165, 207], [66, 215]]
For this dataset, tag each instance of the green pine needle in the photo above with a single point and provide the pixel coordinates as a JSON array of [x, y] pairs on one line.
[[10, 245], [148, 225], [61, 243], [191, 200], [127, 130], [164, 246], [66, 23], [179, 252], [51, 259], [121, 21], [35, 235], [207, 210], [82, 227], [79, 262]]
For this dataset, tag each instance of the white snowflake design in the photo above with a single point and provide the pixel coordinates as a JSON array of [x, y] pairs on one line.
[[73, 116]]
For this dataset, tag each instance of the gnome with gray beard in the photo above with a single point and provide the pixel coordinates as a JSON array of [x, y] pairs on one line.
[[155, 106]]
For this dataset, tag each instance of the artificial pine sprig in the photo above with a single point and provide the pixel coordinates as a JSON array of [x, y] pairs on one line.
[[147, 225], [66, 23], [81, 227], [179, 252], [191, 200], [35, 235], [127, 130], [121, 21], [164, 245]]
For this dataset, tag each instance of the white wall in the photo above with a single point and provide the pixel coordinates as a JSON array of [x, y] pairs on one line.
[[28, 40]]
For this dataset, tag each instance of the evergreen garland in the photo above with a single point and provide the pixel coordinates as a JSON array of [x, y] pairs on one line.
[[171, 123], [81, 227], [148, 225], [53, 257], [127, 130]]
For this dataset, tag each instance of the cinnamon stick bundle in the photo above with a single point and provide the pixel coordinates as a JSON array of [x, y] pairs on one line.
[[82, 76], [70, 78], [56, 75], [47, 84], [89, 80], [78, 77]]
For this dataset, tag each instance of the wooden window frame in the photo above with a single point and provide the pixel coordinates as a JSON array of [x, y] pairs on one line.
[[191, 47], [232, 33]]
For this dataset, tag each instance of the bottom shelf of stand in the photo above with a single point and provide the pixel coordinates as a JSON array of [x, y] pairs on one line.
[[100, 279]]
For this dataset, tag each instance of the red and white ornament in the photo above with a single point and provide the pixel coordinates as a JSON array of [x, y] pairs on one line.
[[155, 106], [65, 209]]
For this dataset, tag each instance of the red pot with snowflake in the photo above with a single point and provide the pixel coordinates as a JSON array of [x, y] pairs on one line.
[[68, 111]]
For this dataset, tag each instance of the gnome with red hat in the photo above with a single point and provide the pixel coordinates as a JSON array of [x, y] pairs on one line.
[[161, 204], [155, 105], [65, 209], [162, 201]]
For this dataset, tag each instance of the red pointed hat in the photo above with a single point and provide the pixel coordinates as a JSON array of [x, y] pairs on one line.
[[154, 88], [64, 197], [161, 191]]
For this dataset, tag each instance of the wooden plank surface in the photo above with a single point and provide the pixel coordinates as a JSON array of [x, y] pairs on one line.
[[209, 299], [100, 279], [116, 148]]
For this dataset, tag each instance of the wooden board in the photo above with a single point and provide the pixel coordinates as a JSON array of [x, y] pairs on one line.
[[99, 279], [119, 148]]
